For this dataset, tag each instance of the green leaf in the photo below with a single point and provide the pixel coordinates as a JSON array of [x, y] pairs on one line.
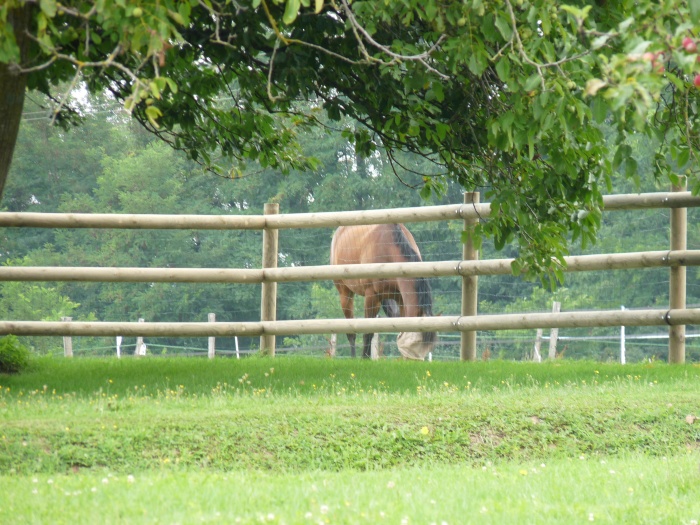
[[503, 69], [599, 109], [599, 42], [155, 91], [291, 11], [177, 17], [153, 113], [694, 10], [532, 82], [593, 86], [438, 91], [516, 267], [171, 84], [504, 27], [48, 7], [622, 154]]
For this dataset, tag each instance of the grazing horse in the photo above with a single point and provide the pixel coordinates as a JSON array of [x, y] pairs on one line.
[[397, 296]]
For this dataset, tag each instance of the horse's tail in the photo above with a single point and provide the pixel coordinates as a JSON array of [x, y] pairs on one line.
[[423, 291]]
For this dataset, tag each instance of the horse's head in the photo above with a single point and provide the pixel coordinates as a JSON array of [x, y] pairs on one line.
[[416, 345]]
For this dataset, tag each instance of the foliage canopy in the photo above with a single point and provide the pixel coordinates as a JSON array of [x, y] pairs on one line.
[[507, 96]]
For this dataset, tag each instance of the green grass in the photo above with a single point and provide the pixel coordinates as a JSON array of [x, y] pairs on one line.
[[633, 490], [274, 440], [304, 376]]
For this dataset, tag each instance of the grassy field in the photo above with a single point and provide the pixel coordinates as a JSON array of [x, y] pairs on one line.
[[348, 441]]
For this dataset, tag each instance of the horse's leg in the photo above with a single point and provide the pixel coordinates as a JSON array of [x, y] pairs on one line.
[[347, 303], [408, 298], [372, 305]]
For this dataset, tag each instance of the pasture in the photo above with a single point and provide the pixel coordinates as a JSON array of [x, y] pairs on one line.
[[295, 440]]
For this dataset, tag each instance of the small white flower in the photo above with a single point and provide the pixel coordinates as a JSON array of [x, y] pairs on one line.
[[390, 485], [324, 509], [130, 478], [590, 517], [105, 481]]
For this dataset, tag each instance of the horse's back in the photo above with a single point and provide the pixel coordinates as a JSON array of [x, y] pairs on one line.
[[376, 243]]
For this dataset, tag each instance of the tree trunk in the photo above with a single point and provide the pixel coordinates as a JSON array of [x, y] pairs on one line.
[[12, 89]]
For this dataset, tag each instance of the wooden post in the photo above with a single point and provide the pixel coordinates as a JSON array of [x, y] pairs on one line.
[[268, 307], [623, 349], [374, 347], [333, 344], [554, 334], [212, 340], [67, 340], [139, 343], [470, 283], [677, 287], [537, 356]]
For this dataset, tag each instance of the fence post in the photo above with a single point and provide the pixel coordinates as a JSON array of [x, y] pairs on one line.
[[470, 283], [677, 290], [623, 349], [67, 340], [374, 347], [212, 340], [139, 343], [332, 345], [268, 307], [554, 334], [536, 355]]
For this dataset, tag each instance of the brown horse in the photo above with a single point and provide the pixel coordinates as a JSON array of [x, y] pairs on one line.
[[401, 296]]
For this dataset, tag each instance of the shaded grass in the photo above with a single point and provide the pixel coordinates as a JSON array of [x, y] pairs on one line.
[[304, 376]]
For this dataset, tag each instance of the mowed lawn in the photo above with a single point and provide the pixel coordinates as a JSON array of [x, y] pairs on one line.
[[294, 440]]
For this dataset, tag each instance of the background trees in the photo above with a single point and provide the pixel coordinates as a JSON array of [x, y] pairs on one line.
[[112, 165]]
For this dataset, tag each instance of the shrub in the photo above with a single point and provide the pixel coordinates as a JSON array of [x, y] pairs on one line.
[[14, 356]]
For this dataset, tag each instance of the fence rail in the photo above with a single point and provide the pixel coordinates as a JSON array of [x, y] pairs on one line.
[[311, 220], [577, 263], [657, 317], [469, 212]]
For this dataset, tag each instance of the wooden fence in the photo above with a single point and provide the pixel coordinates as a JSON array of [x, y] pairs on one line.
[[469, 268]]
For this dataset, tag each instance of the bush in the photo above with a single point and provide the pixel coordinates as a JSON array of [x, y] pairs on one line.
[[14, 357]]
